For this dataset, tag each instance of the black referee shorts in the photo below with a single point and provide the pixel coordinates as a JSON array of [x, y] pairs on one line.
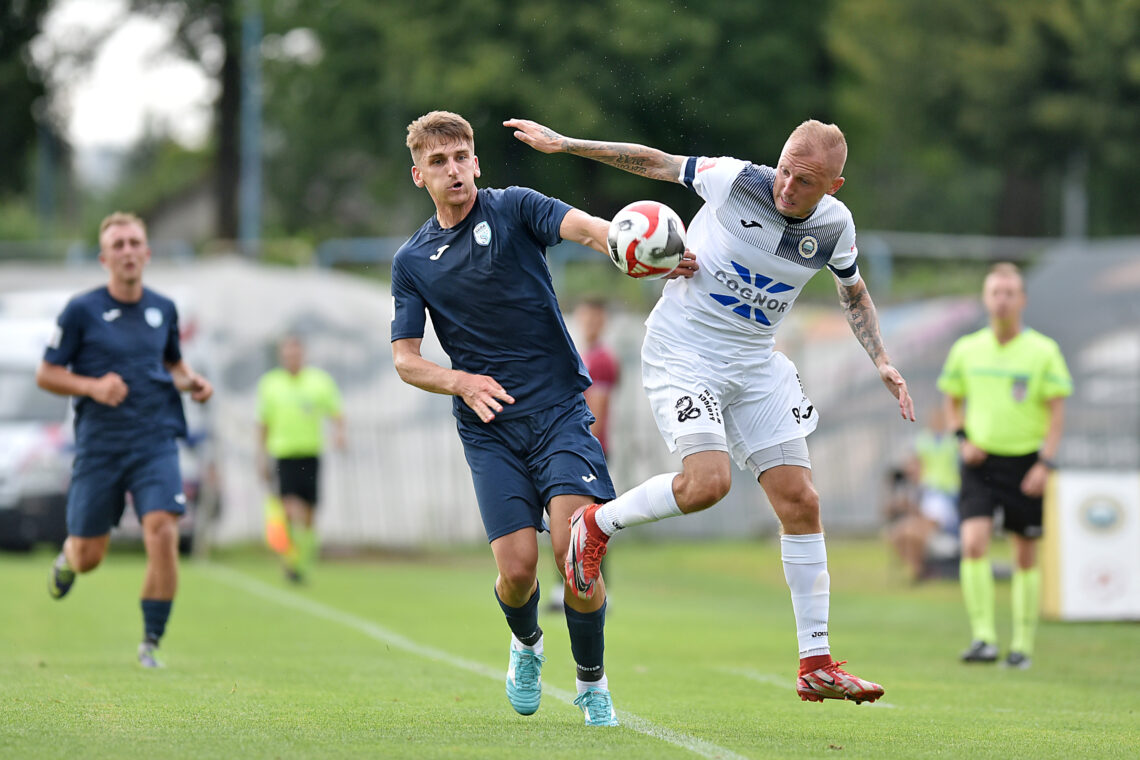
[[996, 484], [298, 477]]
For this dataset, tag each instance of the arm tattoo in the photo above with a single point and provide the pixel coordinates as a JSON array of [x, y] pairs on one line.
[[635, 159], [864, 320]]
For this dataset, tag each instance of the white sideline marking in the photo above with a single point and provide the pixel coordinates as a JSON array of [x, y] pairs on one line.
[[382, 634], [785, 683]]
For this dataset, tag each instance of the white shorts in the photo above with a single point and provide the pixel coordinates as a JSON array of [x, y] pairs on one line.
[[748, 405]]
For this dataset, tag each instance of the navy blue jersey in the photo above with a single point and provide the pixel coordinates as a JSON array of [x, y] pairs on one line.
[[488, 290], [97, 334]]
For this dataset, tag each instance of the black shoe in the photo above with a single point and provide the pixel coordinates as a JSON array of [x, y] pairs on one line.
[[980, 651], [61, 577], [294, 577], [1017, 660]]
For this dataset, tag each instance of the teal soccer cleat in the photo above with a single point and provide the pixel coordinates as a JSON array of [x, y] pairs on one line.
[[524, 680], [61, 578], [597, 706]]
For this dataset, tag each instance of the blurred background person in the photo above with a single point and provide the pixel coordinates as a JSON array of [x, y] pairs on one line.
[[602, 364], [1005, 389], [293, 401], [117, 350], [922, 510], [590, 317]]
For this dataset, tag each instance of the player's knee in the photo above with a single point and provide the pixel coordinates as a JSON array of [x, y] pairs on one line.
[[161, 530], [703, 490], [87, 556], [798, 509], [517, 576]]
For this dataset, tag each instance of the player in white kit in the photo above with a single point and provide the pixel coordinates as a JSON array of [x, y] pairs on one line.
[[716, 386]]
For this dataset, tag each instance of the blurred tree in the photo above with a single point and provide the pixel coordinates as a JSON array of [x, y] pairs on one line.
[[729, 77], [22, 87], [1004, 105], [209, 34]]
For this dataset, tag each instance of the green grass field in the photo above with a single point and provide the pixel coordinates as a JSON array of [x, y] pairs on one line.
[[404, 658]]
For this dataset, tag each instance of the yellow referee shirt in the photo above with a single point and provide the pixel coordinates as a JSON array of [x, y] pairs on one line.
[[1006, 388], [293, 408]]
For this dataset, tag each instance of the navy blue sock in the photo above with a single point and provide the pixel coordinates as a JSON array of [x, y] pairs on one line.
[[155, 614], [523, 620], [588, 641]]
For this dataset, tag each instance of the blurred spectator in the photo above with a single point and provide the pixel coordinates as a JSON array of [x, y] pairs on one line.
[[605, 372], [922, 506]]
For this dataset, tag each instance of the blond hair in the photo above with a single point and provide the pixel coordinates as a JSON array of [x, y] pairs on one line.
[[438, 127], [120, 217], [815, 136]]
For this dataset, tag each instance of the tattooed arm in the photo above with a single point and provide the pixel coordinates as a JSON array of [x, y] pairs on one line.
[[630, 157], [864, 321]]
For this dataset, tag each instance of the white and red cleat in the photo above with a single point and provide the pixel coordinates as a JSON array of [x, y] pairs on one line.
[[587, 547], [832, 682]]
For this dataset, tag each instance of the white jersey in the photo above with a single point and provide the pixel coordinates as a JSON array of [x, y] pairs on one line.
[[753, 260]]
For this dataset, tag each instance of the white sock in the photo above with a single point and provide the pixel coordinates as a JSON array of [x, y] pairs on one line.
[[805, 569], [601, 683], [516, 644], [651, 501]]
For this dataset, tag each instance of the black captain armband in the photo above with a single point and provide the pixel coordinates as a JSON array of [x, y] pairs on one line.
[[1049, 463], [960, 434]]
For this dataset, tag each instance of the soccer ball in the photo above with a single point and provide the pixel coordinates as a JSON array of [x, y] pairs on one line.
[[646, 240]]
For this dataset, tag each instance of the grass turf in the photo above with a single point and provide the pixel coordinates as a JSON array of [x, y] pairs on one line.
[[404, 658]]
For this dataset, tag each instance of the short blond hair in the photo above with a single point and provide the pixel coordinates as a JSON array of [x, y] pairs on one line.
[[120, 217], [438, 126], [828, 139]]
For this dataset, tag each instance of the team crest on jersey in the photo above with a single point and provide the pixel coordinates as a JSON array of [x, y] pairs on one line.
[[153, 317], [482, 233], [809, 246], [1020, 388]]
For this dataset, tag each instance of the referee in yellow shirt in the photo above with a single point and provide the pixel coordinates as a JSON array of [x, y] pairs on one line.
[[293, 401], [1005, 388]]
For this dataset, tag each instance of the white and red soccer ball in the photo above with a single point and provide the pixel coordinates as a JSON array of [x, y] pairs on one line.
[[646, 239]]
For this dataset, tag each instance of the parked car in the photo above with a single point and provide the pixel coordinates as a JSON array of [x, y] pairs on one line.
[[36, 444]]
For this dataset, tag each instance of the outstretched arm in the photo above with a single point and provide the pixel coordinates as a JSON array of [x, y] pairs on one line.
[[864, 321], [630, 157]]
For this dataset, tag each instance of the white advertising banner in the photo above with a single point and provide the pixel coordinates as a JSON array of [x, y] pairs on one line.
[[1090, 557]]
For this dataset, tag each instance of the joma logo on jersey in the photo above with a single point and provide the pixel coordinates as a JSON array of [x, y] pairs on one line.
[[752, 289]]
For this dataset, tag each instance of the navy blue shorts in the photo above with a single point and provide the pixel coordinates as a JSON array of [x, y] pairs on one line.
[[101, 480], [518, 465]]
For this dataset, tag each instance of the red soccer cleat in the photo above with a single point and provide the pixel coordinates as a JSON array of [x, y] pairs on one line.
[[587, 547], [832, 682]]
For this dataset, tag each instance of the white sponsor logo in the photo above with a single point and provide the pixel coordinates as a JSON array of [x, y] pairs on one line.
[[590, 478], [111, 315], [153, 317], [483, 233], [180, 498], [439, 252], [56, 337]]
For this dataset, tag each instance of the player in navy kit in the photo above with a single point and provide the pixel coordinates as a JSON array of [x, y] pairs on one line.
[[116, 350], [478, 267], [718, 389]]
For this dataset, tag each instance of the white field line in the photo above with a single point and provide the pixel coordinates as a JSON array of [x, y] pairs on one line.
[[380, 633], [783, 682]]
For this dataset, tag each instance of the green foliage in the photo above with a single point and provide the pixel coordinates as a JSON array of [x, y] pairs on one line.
[[641, 71], [404, 656], [986, 103], [21, 92], [157, 173], [17, 220]]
